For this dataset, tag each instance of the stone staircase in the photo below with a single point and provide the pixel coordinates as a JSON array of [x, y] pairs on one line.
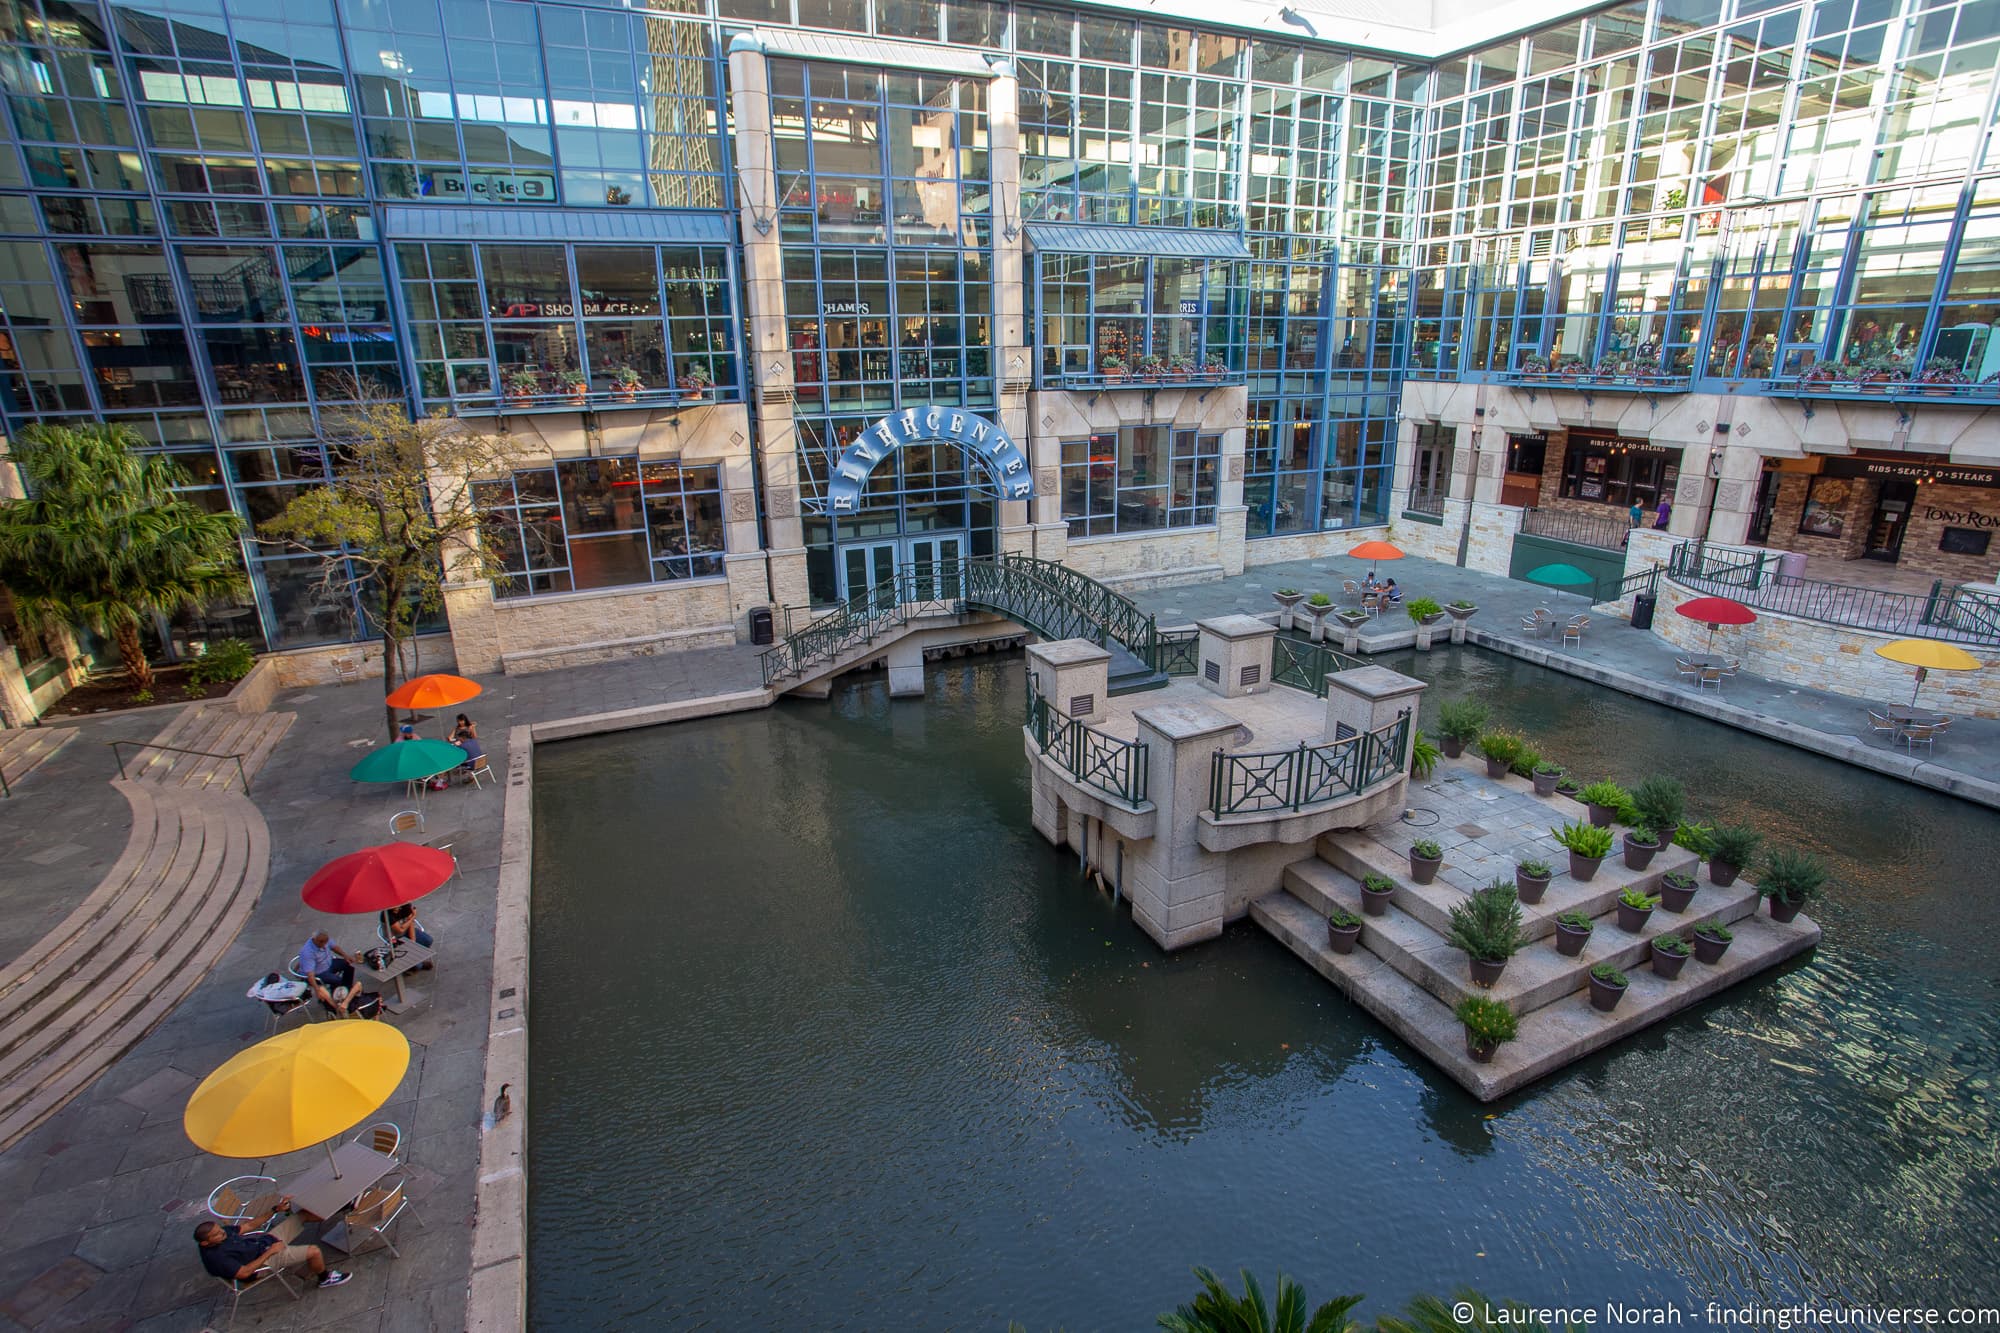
[[23, 749], [1404, 973], [192, 869], [215, 732]]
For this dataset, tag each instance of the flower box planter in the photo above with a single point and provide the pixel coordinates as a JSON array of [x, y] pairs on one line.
[[1286, 601], [1461, 613]]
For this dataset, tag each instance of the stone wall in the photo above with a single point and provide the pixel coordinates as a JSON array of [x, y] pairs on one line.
[[1430, 541], [570, 629], [1309, 545], [1788, 506], [1491, 546], [314, 666], [1149, 559]]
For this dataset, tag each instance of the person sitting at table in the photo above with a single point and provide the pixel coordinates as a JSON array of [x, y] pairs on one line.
[[1391, 593], [234, 1254], [347, 1001], [403, 925], [323, 960], [466, 737]]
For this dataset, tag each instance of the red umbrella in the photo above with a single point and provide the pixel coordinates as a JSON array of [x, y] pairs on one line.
[[375, 879], [1713, 611]]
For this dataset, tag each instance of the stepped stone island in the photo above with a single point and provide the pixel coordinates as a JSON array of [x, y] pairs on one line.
[[1220, 797]]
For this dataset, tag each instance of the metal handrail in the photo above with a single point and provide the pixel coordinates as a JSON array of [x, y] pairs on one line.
[[1307, 775], [1606, 533], [1960, 614], [1112, 764], [1305, 665], [1179, 651], [1431, 503], [241, 775]]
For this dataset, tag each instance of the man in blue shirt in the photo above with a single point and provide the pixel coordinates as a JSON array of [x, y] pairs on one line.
[[236, 1253], [321, 957]]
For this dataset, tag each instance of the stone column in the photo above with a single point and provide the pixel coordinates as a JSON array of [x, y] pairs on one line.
[[1073, 675], [1177, 886], [17, 704], [1013, 350], [1368, 698], [1691, 503], [1235, 655], [1735, 504], [473, 618]]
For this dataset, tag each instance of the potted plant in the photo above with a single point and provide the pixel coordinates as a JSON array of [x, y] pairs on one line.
[[1641, 843], [1526, 762], [1659, 802], [1180, 367], [1571, 367], [1488, 1023], [1287, 598], [1424, 611], [1572, 933], [625, 382], [521, 384], [1459, 724], [1501, 748], [1567, 786], [1677, 890], [1545, 777], [1607, 987], [1534, 365], [1423, 757], [695, 383], [1111, 366], [1670, 955], [1425, 858], [1711, 941], [1790, 880], [1343, 928], [1319, 606], [1730, 848], [1588, 846], [1531, 879], [1635, 907], [1941, 373], [1606, 800], [1460, 609], [1696, 838], [1376, 891], [1214, 370], [575, 383], [1487, 928], [1149, 367]]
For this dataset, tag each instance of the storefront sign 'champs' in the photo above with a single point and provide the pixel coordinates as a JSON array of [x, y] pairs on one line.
[[993, 447]]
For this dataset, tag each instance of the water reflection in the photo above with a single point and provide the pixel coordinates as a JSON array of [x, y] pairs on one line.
[[841, 1035]]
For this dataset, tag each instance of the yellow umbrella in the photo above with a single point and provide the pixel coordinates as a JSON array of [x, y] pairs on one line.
[[298, 1089], [1927, 655]]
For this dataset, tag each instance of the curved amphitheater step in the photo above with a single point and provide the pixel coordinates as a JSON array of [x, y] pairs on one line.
[[22, 749], [191, 872], [217, 731]]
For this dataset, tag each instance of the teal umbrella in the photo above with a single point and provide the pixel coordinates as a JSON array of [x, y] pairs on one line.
[[1558, 576], [406, 761]]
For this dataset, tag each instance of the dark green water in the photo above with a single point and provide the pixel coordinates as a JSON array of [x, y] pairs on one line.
[[825, 1036]]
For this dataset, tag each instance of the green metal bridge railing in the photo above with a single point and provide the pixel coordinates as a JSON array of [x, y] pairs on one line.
[[1114, 766], [1309, 774]]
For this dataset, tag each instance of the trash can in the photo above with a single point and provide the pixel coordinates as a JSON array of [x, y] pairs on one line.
[[760, 624], [1791, 568], [1642, 610]]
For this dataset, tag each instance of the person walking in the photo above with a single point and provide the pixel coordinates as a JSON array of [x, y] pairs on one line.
[[1663, 514]]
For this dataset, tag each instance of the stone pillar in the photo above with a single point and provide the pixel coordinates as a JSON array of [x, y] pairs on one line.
[[476, 644], [1368, 698], [1691, 502], [906, 667], [17, 704], [1235, 655], [1013, 350], [1177, 886], [1740, 471], [1463, 480], [1491, 545], [1072, 674]]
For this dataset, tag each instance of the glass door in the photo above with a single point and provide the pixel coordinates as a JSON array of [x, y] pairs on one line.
[[935, 566], [869, 567]]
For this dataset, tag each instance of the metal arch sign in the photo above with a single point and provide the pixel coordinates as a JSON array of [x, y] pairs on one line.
[[993, 447]]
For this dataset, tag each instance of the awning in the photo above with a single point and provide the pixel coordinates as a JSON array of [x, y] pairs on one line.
[[1090, 238], [526, 222], [869, 51]]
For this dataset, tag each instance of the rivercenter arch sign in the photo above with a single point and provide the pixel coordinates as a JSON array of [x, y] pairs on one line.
[[993, 448]]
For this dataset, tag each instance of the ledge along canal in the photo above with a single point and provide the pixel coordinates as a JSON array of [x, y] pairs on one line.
[[825, 1036]]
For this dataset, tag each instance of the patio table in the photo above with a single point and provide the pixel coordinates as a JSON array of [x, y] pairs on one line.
[[409, 955], [1901, 713], [320, 1192]]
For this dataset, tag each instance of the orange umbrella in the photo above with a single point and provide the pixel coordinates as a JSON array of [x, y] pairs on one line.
[[1372, 551], [439, 691]]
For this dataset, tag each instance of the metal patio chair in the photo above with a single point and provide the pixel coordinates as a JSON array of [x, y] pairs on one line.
[[1573, 629], [406, 821], [240, 1287], [374, 1213]]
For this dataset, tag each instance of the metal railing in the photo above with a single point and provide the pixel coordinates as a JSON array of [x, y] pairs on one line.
[[1645, 581], [1114, 766], [1178, 651], [1307, 775], [1053, 600], [1304, 665], [1605, 532], [118, 754], [1430, 503], [1957, 613]]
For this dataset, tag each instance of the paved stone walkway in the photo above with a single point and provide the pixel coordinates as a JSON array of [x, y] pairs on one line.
[[1614, 654]]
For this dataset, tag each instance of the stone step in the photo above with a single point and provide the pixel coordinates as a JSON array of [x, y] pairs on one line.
[[1550, 1037], [216, 732], [1534, 977], [23, 749], [184, 943]]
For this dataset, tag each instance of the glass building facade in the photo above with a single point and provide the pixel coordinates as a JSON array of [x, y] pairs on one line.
[[220, 217]]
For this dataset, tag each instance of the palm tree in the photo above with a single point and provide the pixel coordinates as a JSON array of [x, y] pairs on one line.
[[1218, 1310], [103, 541]]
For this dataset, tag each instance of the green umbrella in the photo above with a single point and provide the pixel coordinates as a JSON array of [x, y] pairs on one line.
[[1557, 576], [406, 761]]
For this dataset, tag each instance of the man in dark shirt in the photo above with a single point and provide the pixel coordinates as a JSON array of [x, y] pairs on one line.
[[236, 1253]]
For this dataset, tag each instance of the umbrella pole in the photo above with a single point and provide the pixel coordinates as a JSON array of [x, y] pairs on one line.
[[328, 1145], [1914, 689]]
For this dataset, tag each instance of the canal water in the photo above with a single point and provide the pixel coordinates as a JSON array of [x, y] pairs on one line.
[[824, 1036]]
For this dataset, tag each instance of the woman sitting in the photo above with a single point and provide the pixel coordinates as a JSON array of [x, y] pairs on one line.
[[466, 737], [402, 927]]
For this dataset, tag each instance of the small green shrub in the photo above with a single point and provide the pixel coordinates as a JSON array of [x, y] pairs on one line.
[[1671, 943], [1547, 769], [1734, 844], [1644, 834], [1714, 930], [142, 696], [1680, 879], [1526, 762], [1342, 920], [1424, 849], [1487, 925], [1791, 875], [1696, 838], [1610, 975], [1568, 787], [1537, 869], [1488, 1020], [1463, 605], [230, 660], [1421, 609], [1461, 720], [1660, 802], [1638, 899], [1604, 793], [1288, 592], [1575, 921], [1584, 839], [1319, 599], [1423, 757], [1503, 747], [1379, 883]]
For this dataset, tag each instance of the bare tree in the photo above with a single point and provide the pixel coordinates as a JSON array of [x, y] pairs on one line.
[[395, 517]]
